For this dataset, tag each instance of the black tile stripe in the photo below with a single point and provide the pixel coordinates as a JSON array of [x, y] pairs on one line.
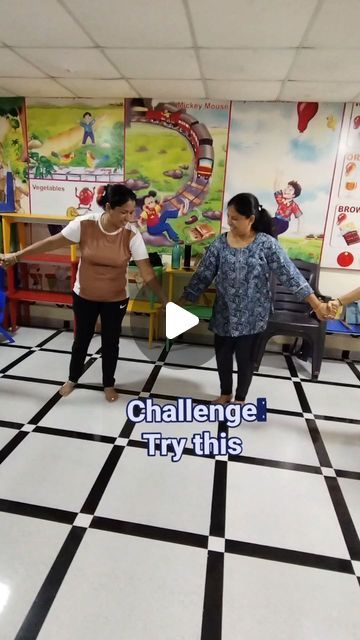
[[12, 444], [44, 342], [213, 597], [152, 378], [18, 360], [92, 501], [149, 531], [9, 376], [11, 425], [320, 449], [7, 345], [276, 464], [288, 556], [37, 511], [41, 606], [304, 403], [334, 419], [343, 515], [354, 369], [45, 409], [351, 475], [79, 435], [329, 383]]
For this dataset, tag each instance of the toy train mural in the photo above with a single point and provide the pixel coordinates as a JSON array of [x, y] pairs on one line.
[[198, 135]]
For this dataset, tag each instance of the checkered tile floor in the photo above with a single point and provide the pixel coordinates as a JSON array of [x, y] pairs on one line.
[[98, 541]]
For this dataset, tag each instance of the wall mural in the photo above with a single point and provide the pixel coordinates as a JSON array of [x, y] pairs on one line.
[[184, 160]]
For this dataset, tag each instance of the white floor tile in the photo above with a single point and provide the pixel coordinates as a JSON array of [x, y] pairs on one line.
[[10, 354], [21, 400], [274, 600], [88, 411], [28, 547], [6, 435], [280, 394], [342, 442], [44, 365], [159, 492], [351, 492], [191, 383], [124, 587], [52, 471], [287, 509], [64, 341], [339, 402], [31, 336], [139, 349], [331, 371], [192, 355], [129, 375], [274, 364], [284, 438]]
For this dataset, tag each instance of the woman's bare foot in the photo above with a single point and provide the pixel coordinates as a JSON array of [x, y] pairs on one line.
[[238, 401], [223, 399], [67, 388], [111, 394]]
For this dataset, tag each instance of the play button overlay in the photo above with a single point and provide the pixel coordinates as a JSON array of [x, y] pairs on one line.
[[178, 320], [173, 324]]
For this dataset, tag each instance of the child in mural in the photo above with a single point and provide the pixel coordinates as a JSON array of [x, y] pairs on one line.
[[87, 123], [157, 222], [287, 207]]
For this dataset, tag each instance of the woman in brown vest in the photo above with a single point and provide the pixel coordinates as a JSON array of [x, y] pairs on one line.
[[107, 243]]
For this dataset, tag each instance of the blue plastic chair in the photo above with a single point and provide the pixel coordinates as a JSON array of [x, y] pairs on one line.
[[2, 307]]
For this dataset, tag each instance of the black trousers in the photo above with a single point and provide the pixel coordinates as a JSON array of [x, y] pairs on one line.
[[244, 348], [86, 314]]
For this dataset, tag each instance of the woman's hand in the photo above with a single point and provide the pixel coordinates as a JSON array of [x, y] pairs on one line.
[[182, 302], [323, 312], [334, 306], [8, 260]]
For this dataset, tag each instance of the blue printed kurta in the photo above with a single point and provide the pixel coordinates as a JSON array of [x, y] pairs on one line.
[[242, 278]]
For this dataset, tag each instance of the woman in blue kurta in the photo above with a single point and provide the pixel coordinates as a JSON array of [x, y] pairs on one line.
[[241, 262]]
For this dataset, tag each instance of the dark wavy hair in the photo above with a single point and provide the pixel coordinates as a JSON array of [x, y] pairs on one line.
[[247, 205], [115, 195]]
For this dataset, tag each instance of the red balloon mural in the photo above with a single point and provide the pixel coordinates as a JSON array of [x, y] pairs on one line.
[[306, 111], [345, 259]]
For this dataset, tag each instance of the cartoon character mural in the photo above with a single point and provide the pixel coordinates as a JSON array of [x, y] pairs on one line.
[[87, 123], [287, 207], [85, 197], [154, 216]]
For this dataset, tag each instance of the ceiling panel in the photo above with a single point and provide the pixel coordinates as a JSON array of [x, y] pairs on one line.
[[39, 23], [320, 91], [243, 90], [156, 63], [86, 88], [336, 25], [80, 63], [133, 23], [259, 23], [169, 88], [326, 65], [246, 64], [13, 66], [33, 87]]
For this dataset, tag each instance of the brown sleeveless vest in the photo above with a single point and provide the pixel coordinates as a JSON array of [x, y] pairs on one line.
[[104, 262]]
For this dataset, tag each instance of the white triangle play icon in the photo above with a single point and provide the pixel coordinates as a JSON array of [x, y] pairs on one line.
[[178, 320]]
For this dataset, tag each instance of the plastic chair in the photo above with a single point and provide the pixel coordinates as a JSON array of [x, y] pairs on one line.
[[293, 318], [2, 307]]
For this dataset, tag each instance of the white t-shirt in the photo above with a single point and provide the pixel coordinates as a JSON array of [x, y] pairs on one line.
[[72, 232]]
